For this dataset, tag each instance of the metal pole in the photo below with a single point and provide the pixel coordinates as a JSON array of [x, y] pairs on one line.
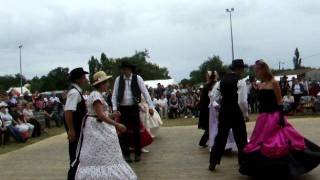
[[231, 36], [20, 47], [231, 30]]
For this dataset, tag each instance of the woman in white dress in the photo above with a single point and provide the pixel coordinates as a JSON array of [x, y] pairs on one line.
[[99, 153]]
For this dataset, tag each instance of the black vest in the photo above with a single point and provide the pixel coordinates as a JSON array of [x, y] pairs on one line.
[[229, 91], [79, 114], [136, 92]]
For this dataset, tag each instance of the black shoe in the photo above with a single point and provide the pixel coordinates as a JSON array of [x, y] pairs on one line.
[[137, 158], [128, 159], [212, 167]]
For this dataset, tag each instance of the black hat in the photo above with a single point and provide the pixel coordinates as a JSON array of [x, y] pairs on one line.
[[77, 73], [238, 63], [127, 64]]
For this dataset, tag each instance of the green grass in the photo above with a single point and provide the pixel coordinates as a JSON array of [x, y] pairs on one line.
[[12, 146]]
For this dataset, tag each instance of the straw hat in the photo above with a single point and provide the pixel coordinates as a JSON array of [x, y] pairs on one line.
[[100, 77]]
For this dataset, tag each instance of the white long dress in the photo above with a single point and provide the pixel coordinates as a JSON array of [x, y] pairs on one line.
[[100, 155]]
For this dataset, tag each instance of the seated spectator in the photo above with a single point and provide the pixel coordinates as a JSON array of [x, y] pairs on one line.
[[288, 102], [29, 117], [173, 106], [163, 106], [190, 103], [8, 121], [3, 130], [18, 121], [20, 108], [39, 103], [51, 114], [182, 110], [314, 89], [54, 98]]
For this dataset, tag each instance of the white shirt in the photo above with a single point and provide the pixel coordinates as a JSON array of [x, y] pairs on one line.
[[297, 89], [54, 99], [6, 119], [163, 102], [288, 99], [73, 98], [242, 96], [28, 114], [128, 97]]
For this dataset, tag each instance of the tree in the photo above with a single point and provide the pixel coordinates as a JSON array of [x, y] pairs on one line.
[[213, 63], [8, 81], [146, 70], [94, 66], [57, 79], [297, 59]]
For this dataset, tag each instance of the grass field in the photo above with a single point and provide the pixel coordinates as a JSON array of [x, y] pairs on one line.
[[14, 145]]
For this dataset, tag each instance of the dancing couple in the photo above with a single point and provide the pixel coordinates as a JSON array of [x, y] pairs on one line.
[[94, 148], [275, 148]]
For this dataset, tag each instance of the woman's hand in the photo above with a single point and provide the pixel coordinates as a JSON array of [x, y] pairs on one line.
[[120, 128]]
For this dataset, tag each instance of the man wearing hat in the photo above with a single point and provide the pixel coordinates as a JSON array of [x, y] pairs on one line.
[[233, 112], [127, 91], [75, 110]]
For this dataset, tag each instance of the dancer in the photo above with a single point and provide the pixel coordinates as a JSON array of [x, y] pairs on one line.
[[99, 151], [126, 96], [233, 113], [152, 123], [214, 106], [75, 110], [204, 109], [276, 149]]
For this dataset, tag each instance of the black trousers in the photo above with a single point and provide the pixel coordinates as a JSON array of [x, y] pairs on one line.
[[130, 117], [73, 153], [37, 128], [227, 121], [205, 137]]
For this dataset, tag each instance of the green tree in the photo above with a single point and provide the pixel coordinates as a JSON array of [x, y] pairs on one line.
[[297, 59], [94, 66], [213, 63]]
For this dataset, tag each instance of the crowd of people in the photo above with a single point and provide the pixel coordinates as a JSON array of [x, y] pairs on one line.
[[294, 92], [275, 149], [18, 115]]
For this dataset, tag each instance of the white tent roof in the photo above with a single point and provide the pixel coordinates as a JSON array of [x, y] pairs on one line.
[[154, 83], [278, 77]]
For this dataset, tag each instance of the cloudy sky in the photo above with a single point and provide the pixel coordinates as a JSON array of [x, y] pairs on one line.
[[180, 34]]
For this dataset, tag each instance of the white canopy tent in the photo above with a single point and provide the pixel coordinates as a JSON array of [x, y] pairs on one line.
[[290, 77], [164, 82]]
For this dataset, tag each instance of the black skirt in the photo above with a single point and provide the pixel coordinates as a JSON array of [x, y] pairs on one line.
[[294, 164]]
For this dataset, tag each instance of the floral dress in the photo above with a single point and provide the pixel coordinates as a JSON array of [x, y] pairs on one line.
[[100, 153]]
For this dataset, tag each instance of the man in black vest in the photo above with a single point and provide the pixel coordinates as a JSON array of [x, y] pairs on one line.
[[233, 112], [75, 110], [127, 91]]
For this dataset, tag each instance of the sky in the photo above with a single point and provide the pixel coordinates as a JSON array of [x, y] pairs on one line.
[[179, 34]]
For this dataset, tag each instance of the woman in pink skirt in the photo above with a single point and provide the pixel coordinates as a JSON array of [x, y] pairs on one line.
[[276, 149]]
